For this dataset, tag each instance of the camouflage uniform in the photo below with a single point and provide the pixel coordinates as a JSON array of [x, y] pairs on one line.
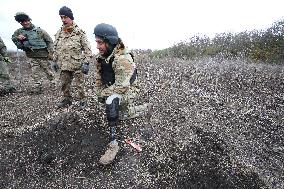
[[71, 50], [116, 84], [4, 71], [124, 69], [39, 52]]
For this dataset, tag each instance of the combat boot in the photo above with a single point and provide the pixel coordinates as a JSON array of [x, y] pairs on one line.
[[64, 103], [82, 105], [110, 153]]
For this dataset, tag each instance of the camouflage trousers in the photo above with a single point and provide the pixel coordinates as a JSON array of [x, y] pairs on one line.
[[4, 74], [127, 107], [66, 78], [41, 66]]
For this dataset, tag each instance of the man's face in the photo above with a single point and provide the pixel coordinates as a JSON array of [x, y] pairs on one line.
[[66, 20], [101, 46], [26, 23]]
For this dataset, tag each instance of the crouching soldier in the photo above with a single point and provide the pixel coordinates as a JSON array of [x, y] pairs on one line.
[[116, 84], [38, 47]]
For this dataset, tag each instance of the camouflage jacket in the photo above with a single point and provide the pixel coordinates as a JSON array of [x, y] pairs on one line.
[[40, 42], [123, 67], [71, 48], [3, 49]]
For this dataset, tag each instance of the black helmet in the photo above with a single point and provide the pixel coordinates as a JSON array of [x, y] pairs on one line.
[[21, 16], [107, 32]]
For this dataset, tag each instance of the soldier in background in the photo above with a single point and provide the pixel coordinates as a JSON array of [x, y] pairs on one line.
[[5, 83], [72, 52], [38, 47], [116, 84]]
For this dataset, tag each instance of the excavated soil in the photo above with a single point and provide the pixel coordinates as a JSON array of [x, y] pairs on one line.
[[216, 124]]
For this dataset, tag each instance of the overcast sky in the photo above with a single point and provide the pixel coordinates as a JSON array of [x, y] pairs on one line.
[[146, 24]]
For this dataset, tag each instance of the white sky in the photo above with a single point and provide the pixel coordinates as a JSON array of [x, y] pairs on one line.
[[146, 24]]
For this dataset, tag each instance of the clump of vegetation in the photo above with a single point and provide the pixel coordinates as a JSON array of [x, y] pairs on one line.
[[257, 45]]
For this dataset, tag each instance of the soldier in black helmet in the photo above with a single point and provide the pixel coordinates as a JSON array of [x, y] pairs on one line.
[[38, 46], [116, 83]]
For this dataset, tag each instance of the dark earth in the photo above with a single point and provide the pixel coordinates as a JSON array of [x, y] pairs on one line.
[[216, 124]]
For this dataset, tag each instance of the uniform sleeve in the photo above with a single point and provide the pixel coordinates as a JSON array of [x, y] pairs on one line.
[[123, 68], [98, 81], [86, 47], [48, 40], [55, 50], [15, 40]]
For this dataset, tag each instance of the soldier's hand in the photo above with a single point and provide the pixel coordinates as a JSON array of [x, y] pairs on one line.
[[21, 37], [85, 68]]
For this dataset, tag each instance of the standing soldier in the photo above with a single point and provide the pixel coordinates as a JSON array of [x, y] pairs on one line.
[[6, 86], [72, 52], [38, 47], [116, 84]]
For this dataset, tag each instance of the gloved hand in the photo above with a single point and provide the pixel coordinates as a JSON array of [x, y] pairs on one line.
[[85, 68], [54, 66]]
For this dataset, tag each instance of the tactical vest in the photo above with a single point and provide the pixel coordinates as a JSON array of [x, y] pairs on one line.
[[107, 72], [35, 38]]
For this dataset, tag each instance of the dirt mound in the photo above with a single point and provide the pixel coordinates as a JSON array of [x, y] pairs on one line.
[[215, 125]]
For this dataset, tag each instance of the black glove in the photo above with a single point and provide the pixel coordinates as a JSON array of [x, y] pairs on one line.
[[85, 68], [54, 66]]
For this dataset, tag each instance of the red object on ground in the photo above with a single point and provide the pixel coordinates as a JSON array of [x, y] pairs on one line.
[[136, 146]]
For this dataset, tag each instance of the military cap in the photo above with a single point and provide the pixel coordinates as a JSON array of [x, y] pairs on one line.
[[21, 16], [66, 12]]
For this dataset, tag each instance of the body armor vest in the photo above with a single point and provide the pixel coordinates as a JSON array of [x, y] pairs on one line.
[[108, 75], [34, 37]]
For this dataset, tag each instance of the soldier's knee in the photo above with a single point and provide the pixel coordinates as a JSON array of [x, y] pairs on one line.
[[112, 107]]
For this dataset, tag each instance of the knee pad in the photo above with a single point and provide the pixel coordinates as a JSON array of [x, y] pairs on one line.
[[112, 107]]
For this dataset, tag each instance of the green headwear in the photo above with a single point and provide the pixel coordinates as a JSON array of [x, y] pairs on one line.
[[21, 16]]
